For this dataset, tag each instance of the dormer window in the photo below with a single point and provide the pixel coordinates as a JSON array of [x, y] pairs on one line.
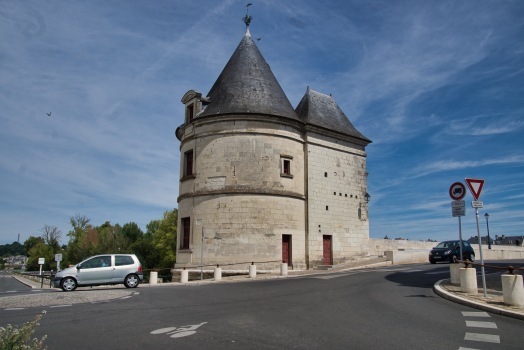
[[190, 113]]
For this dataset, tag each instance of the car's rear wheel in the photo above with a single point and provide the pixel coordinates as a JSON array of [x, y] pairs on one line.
[[131, 281], [68, 284], [472, 257]]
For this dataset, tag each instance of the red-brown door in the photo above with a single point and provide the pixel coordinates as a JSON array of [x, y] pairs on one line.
[[286, 249], [327, 250]]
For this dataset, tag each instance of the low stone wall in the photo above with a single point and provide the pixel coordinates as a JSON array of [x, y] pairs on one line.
[[498, 252], [375, 246], [407, 256]]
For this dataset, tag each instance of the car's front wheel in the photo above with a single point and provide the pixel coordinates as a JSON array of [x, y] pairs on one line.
[[68, 284], [131, 281], [452, 258]]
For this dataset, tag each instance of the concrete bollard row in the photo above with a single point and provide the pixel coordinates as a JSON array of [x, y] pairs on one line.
[[252, 271], [153, 277], [468, 280], [513, 290], [184, 276], [218, 274], [283, 269], [454, 272]]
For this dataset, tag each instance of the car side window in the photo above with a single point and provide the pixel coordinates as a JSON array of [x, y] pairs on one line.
[[466, 244], [123, 260], [99, 261]]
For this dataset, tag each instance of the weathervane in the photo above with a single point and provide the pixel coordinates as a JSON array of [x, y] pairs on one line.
[[248, 18]]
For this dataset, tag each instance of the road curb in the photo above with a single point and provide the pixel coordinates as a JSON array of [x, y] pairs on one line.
[[26, 282], [493, 309]]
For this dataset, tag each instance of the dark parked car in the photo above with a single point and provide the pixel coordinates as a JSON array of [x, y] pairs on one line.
[[450, 250]]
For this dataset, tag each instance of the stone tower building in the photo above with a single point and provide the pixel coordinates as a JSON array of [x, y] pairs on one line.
[[268, 182]]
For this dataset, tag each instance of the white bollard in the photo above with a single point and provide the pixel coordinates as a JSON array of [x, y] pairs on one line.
[[153, 277], [184, 276], [252, 271], [468, 280], [283, 269], [218, 274], [512, 290], [454, 272]]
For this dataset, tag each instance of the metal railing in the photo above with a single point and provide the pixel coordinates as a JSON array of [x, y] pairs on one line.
[[509, 268]]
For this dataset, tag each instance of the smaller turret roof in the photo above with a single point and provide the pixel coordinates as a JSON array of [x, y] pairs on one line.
[[322, 110]]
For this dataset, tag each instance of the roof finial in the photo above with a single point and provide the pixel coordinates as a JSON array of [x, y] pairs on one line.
[[248, 18]]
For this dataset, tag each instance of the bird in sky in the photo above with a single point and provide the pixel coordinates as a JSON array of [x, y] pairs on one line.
[[49, 114], [258, 39]]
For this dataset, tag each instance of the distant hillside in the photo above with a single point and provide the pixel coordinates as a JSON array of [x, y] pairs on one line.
[[12, 249]]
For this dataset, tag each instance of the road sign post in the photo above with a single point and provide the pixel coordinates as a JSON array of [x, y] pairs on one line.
[[41, 262], [475, 187], [202, 257], [58, 258], [457, 191]]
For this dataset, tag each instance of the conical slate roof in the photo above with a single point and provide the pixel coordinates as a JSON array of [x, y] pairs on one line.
[[247, 86], [322, 110]]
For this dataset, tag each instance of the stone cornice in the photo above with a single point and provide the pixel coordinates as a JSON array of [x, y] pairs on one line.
[[242, 192]]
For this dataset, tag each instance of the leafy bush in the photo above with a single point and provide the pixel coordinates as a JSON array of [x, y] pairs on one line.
[[12, 338]]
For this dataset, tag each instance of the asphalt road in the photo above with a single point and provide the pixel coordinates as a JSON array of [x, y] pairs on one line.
[[383, 308]]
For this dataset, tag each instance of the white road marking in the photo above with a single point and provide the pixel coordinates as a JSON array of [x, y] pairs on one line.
[[36, 290], [487, 338], [136, 293], [461, 348], [60, 305], [11, 291], [16, 308], [481, 324], [475, 314], [129, 296]]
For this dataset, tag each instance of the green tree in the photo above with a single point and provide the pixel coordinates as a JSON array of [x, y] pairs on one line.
[[75, 254], [31, 242], [41, 250], [132, 232], [164, 238]]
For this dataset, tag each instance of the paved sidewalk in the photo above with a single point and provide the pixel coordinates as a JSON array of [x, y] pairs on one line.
[[493, 303]]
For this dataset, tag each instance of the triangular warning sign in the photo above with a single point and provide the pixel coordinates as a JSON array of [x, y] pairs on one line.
[[475, 187]]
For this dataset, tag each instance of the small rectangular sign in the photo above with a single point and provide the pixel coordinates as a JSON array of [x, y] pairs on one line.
[[456, 204], [41, 261], [477, 204], [58, 257], [458, 211]]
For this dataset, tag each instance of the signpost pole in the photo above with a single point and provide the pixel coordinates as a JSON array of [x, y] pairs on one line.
[[202, 257], [481, 257], [460, 236], [41, 277]]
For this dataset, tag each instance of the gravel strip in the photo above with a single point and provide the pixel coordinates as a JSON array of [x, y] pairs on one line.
[[61, 298]]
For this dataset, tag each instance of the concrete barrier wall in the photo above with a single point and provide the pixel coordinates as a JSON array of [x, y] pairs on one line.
[[377, 246], [498, 252], [407, 256]]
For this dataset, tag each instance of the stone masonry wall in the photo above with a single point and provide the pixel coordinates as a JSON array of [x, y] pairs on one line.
[[336, 205]]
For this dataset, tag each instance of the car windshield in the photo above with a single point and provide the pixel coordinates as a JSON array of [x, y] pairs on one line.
[[447, 245]]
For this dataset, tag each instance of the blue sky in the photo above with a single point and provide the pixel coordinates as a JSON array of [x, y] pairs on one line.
[[437, 85]]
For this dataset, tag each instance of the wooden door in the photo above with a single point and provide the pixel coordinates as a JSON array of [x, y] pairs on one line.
[[286, 249], [327, 250]]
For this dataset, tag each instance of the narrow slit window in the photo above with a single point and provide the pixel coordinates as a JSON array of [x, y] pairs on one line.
[[186, 223], [190, 110], [287, 167], [189, 163]]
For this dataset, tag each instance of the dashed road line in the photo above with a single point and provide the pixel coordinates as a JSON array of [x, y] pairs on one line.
[[462, 348], [487, 338], [479, 324], [15, 308], [129, 296], [136, 293], [475, 314]]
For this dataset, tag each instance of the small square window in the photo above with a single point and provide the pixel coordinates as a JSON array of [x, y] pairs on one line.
[[346, 194], [327, 208], [334, 193], [325, 174], [285, 164], [340, 194]]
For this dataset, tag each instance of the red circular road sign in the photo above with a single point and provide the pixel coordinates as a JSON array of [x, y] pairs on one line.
[[457, 191]]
